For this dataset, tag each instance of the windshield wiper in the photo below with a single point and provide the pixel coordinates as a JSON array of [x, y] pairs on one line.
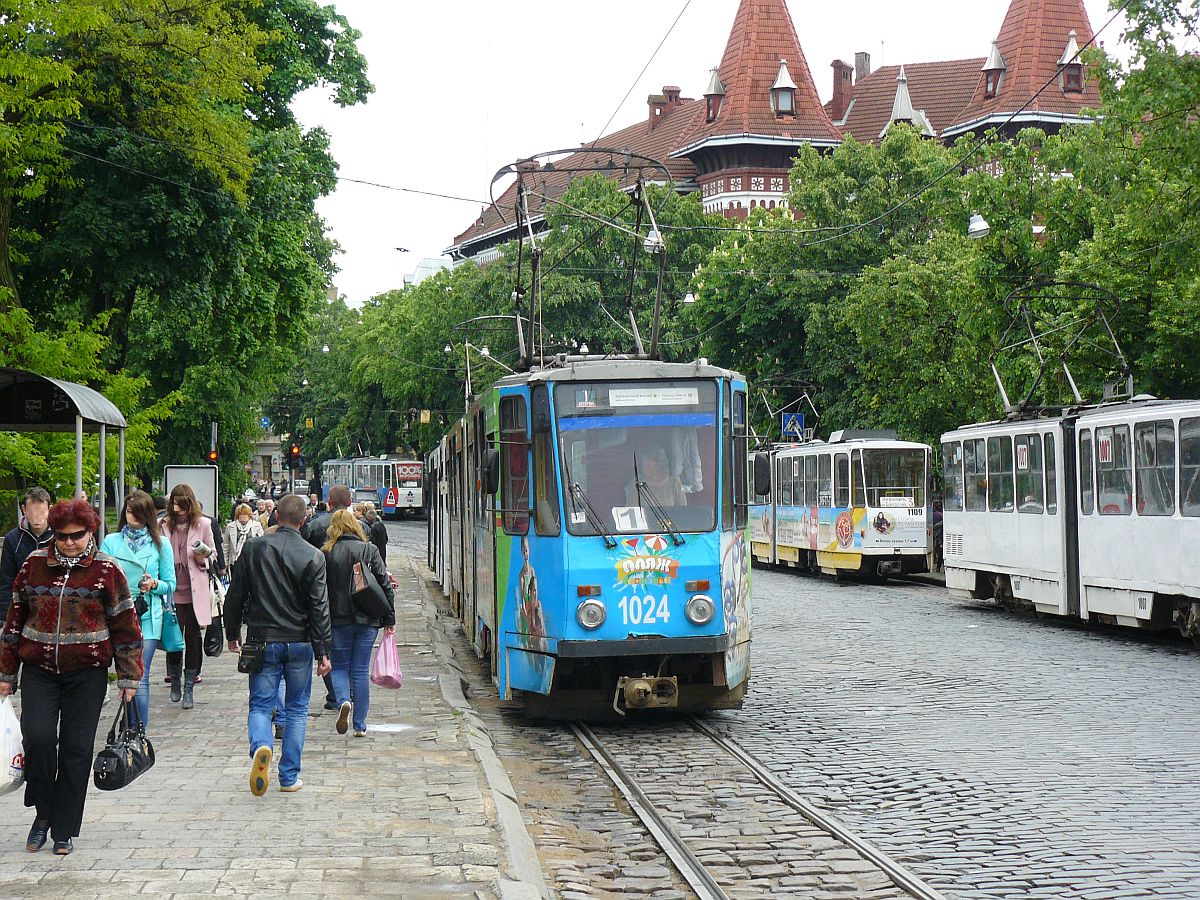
[[574, 489], [655, 507]]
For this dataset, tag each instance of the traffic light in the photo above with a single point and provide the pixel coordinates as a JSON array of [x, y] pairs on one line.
[[294, 456], [212, 457]]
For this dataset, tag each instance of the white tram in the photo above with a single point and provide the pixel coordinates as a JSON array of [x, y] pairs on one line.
[[1091, 512], [858, 503]]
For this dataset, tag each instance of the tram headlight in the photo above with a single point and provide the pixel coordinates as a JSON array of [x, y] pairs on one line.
[[591, 614], [700, 609]]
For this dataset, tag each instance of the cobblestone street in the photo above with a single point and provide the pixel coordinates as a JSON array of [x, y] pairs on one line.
[[996, 755]]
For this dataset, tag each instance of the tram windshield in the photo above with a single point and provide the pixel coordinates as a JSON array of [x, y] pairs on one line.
[[895, 477], [634, 453]]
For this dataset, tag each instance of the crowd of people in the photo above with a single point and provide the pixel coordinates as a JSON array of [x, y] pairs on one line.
[[73, 607]]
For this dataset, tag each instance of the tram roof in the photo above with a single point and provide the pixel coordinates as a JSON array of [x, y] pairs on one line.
[[32, 402], [607, 369], [1081, 411]]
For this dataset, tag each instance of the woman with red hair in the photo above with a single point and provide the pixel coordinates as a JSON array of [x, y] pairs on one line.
[[71, 618]]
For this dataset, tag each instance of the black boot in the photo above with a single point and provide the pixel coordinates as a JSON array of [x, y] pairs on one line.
[[176, 681], [189, 682]]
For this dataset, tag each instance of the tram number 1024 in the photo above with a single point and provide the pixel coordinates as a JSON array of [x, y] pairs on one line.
[[644, 610]]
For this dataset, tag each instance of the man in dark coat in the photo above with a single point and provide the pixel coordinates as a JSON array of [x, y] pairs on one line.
[[32, 533]]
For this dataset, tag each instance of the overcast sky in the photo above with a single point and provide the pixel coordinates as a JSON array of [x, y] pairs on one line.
[[465, 86]]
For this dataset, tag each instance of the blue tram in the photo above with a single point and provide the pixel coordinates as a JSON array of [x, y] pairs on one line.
[[589, 523]]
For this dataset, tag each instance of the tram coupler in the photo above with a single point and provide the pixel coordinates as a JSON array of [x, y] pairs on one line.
[[646, 692]]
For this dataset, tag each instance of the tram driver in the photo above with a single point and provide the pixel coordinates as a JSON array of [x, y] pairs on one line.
[[655, 473]]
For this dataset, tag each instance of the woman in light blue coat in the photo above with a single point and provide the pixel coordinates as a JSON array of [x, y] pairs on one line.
[[149, 566]]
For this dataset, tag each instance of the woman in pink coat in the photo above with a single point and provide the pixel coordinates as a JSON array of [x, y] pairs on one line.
[[193, 544]]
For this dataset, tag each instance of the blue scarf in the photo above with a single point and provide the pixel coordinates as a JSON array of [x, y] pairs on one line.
[[136, 538]]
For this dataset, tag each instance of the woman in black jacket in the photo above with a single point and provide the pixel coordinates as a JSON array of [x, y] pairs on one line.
[[354, 632]]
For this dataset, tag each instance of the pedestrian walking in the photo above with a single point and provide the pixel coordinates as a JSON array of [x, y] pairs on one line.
[[192, 544], [375, 530], [242, 528], [32, 533], [354, 632], [63, 591], [279, 593], [315, 532], [149, 566]]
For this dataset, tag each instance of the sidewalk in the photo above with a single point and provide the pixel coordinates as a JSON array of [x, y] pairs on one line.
[[415, 809]]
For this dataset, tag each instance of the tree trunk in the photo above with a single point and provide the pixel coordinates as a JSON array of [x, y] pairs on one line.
[[9, 298]]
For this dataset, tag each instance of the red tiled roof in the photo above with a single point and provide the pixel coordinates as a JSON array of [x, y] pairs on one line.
[[762, 35], [1032, 40], [941, 89], [657, 144]]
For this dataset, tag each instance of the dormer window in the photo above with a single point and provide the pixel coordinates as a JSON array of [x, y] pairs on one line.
[[1070, 68], [713, 97], [993, 71], [783, 92]]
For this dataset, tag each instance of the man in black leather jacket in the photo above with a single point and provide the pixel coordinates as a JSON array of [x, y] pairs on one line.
[[279, 592]]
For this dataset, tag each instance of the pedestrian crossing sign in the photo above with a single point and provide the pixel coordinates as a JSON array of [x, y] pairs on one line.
[[793, 426]]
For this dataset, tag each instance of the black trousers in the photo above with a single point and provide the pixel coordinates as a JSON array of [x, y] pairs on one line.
[[192, 653], [59, 716]]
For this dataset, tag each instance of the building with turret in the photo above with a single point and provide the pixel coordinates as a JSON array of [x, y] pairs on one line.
[[735, 144]]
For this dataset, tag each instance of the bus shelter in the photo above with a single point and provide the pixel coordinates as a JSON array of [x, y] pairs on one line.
[[31, 402]]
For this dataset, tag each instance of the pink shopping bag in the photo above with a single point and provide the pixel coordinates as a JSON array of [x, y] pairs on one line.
[[385, 663]]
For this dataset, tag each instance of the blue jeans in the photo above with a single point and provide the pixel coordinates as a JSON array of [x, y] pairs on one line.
[[292, 664], [351, 659], [142, 700]]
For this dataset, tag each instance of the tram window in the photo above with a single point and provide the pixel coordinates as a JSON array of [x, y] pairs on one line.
[[545, 507], [810, 480], [1030, 477], [1189, 467], [824, 480], [514, 465], [1051, 476], [842, 480], [1154, 456], [1114, 482], [741, 474], [785, 481], [975, 475], [727, 442], [1086, 488], [856, 477], [1000, 474], [797, 481], [952, 475]]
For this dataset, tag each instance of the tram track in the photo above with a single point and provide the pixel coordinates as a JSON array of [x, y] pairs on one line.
[[652, 792]]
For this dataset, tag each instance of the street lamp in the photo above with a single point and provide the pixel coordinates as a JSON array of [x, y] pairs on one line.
[[978, 227], [304, 383], [689, 298], [324, 348]]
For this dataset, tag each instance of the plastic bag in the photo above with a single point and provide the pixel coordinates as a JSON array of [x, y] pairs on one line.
[[12, 751], [385, 663]]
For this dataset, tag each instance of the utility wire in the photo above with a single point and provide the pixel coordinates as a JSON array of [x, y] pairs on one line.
[[643, 72]]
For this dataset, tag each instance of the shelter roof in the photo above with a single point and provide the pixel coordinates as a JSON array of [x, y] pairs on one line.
[[32, 402]]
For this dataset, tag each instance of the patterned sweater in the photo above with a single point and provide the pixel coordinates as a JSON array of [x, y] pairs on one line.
[[69, 619]]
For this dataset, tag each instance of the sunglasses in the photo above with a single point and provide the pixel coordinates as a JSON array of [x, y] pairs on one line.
[[70, 535]]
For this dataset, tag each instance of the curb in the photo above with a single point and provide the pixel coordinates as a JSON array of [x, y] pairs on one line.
[[523, 861]]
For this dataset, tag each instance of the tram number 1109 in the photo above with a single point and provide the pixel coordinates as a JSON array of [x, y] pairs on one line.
[[644, 610]]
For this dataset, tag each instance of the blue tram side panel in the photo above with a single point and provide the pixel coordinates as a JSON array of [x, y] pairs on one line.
[[619, 527]]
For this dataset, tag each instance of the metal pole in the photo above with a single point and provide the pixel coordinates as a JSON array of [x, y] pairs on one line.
[[121, 466], [78, 454], [103, 466]]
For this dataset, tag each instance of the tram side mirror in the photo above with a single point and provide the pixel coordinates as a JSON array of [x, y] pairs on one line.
[[762, 474], [490, 474]]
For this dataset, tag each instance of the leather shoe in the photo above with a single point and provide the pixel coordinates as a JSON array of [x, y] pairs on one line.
[[63, 848], [37, 835]]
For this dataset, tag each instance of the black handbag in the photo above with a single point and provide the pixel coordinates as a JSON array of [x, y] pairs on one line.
[[366, 594], [250, 660], [214, 638], [126, 754]]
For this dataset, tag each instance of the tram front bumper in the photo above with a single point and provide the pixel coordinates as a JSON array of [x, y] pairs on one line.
[[645, 646]]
